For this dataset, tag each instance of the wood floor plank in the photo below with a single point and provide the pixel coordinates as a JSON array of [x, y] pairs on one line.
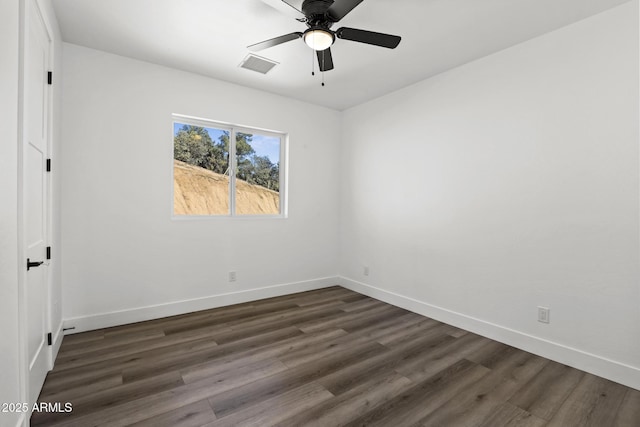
[[426, 364], [359, 304], [71, 380], [135, 408], [265, 388], [107, 343], [317, 296], [409, 331], [226, 381], [339, 294], [193, 415], [484, 353], [293, 315], [219, 319], [414, 404], [117, 351], [394, 326], [240, 374], [152, 404], [272, 411], [69, 393], [383, 327], [349, 377], [181, 360], [296, 357], [518, 365], [548, 390], [275, 324], [629, 410], [330, 322], [367, 322], [111, 398], [82, 338], [472, 405], [457, 332], [151, 362], [327, 357], [591, 404], [353, 298], [119, 364], [274, 350], [494, 358], [340, 410], [211, 317], [297, 342], [508, 415], [311, 353]]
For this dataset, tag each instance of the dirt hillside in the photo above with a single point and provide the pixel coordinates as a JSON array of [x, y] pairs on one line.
[[198, 191]]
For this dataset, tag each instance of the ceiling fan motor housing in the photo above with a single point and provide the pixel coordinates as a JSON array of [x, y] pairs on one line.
[[316, 12]]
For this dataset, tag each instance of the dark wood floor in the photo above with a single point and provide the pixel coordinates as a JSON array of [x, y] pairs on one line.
[[329, 357]]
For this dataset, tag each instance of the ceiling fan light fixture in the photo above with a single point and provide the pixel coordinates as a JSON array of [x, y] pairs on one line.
[[318, 38]]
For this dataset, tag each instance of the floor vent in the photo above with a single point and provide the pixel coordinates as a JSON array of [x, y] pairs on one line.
[[257, 63]]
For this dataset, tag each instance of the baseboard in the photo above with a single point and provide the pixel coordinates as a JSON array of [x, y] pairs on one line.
[[123, 317], [594, 364]]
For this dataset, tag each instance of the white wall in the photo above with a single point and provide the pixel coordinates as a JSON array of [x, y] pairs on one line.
[[509, 183], [9, 69], [121, 249]]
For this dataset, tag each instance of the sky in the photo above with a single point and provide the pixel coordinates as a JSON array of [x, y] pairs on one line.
[[262, 144]]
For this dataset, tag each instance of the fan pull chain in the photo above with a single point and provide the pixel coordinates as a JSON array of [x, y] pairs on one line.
[[313, 67], [323, 68]]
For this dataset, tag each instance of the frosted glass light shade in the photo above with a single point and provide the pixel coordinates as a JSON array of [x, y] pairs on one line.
[[318, 39]]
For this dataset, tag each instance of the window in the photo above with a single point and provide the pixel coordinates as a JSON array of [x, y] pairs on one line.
[[220, 169]]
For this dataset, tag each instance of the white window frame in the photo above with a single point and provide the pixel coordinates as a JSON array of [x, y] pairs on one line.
[[233, 130]]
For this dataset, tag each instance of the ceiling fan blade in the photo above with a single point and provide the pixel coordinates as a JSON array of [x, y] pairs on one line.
[[286, 8], [369, 37], [275, 41], [340, 8], [325, 60]]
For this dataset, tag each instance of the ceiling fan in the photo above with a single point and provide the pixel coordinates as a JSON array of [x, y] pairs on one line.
[[319, 16]]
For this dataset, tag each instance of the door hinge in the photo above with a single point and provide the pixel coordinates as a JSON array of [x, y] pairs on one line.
[[48, 252], [49, 339], [50, 77], [48, 165]]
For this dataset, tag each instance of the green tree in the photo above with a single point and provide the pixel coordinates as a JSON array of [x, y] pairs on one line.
[[192, 145], [243, 144], [274, 177], [263, 171], [245, 168], [218, 160]]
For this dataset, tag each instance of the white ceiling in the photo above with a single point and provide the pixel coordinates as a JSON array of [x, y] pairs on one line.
[[210, 37]]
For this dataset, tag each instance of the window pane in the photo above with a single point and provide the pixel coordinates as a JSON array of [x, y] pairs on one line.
[[258, 174], [200, 170]]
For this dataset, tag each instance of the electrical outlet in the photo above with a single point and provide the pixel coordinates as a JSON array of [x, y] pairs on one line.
[[365, 270], [543, 314], [232, 276]]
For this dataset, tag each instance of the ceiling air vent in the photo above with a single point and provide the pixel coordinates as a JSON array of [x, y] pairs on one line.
[[257, 63]]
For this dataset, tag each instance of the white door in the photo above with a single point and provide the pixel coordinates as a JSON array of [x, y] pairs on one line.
[[36, 297]]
